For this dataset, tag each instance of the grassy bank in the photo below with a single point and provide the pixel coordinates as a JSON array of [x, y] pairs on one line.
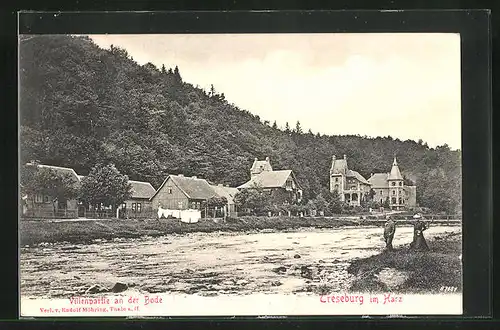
[[35, 232], [427, 272]]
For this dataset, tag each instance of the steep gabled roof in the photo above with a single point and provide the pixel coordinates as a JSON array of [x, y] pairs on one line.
[[339, 166], [62, 170], [395, 173], [272, 179], [228, 192], [354, 174], [141, 189], [379, 180], [261, 165], [193, 188]]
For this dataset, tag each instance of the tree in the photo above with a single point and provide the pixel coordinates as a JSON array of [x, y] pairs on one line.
[[212, 90], [214, 203], [287, 128], [298, 128], [60, 187], [253, 199], [320, 203], [335, 205], [386, 203], [105, 186]]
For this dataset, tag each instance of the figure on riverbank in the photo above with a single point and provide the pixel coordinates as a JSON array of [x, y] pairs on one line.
[[389, 230], [419, 243]]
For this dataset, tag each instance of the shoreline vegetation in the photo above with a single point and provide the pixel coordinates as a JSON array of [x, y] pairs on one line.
[[403, 271], [33, 232]]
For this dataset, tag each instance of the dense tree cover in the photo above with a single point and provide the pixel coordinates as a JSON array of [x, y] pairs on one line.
[[82, 105], [36, 180], [104, 186]]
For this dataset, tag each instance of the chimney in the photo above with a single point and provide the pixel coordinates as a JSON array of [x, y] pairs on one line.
[[194, 177], [256, 159], [220, 185], [345, 157], [333, 158], [181, 175], [371, 174], [267, 159]]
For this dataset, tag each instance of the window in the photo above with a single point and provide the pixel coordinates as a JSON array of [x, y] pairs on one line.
[[133, 207], [138, 207], [393, 200], [401, 184], [179, 205], [46, 199], [381, 192], [393, 183], [169, 190], [394, 192], [336, 187], [336, 179], [124, 205], [38, 198]]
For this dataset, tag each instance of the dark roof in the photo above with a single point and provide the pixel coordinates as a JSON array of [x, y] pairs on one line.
[[379, 180], [142, 189], [270, 179]]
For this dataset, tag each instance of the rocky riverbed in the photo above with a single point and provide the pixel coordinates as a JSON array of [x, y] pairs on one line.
[[301, 261]]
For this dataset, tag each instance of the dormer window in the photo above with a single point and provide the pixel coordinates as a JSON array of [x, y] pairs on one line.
[[393, 183]]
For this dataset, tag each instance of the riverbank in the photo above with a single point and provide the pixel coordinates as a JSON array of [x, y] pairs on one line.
[[436, 271], [46, 231]]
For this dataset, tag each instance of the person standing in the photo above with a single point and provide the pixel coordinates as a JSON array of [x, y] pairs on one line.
[[419, 243], [389, 230]]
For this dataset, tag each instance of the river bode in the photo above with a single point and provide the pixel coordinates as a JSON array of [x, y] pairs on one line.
[[207, 263]]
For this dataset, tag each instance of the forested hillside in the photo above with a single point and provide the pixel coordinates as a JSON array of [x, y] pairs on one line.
[[81, 105]]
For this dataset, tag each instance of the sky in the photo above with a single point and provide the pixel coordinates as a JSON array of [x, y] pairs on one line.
[[406, 85]]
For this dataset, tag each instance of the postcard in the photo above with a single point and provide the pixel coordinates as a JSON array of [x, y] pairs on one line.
[[240, 174]]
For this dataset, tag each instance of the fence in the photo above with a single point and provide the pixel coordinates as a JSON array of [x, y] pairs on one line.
[[45, 214]]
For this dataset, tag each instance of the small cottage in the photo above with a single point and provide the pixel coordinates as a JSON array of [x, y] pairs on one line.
[[179, 192], [281, 184]]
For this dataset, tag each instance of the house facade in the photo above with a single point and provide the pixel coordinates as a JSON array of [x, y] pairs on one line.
[[139, 203], [351, 186], [41, 205], [390, 186], [281, 185], [179, 192]]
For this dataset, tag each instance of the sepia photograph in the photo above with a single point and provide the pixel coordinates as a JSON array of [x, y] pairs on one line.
[[240, 174]]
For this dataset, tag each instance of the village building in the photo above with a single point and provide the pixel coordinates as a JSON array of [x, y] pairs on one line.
[[41, 205], [139, 202], [391, 187], [351, 186], [179, 192], [281, 185]]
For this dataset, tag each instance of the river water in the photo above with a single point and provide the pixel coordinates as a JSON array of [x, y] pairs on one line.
[[207, 263]]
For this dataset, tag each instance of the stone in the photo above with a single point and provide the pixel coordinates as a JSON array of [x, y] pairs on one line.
[[96, 288], [392, 277], [119, 287], [297, 256]]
